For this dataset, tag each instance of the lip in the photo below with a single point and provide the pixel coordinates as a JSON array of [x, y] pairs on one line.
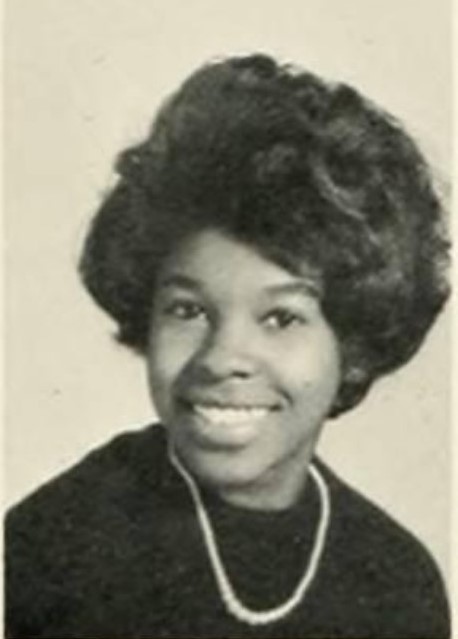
[[230, 414], [228, 424], [230, 401]]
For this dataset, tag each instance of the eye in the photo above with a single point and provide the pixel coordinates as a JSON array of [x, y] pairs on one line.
[[185, 310], [282, 318]]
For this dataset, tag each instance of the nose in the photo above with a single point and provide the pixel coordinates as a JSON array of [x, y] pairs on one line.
[[227, 352]]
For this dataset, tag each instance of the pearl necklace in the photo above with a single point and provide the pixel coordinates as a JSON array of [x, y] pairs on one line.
[[227, 593]]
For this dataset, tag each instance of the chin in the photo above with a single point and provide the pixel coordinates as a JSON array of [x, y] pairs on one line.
[[219, 469]]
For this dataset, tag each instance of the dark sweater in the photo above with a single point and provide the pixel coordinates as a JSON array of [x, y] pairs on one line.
[[112, 549]]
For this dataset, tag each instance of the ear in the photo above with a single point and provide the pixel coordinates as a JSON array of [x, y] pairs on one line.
[[357, 378]]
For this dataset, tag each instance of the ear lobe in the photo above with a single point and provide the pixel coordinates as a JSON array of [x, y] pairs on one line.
[[355, 375], [357, 378]]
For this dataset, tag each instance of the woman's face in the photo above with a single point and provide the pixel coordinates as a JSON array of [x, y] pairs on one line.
[[243, 368]]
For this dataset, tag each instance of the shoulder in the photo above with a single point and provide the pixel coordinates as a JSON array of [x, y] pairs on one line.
[[366, 528], [129, 460], [106, 486], [116, 473], [78, 523], [386, 567]]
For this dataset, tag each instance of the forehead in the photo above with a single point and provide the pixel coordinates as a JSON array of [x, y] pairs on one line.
[[212, 258]]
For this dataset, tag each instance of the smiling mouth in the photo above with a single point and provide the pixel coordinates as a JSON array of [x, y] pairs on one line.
[[231, 415]]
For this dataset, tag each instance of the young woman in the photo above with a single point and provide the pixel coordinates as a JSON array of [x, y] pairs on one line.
[[273, 247]]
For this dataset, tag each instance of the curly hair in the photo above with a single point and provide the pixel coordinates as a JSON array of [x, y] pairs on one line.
[[303, 170]]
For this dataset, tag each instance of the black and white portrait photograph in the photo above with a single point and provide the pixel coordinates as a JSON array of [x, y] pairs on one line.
[[227, 319]]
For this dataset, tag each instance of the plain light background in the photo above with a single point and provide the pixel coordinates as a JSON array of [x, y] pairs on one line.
[[83, 79]]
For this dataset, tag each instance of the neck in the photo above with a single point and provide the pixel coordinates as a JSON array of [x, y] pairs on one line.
[[275, 491]]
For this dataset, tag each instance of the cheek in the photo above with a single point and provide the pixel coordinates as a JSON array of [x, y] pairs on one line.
[[169, 354], [312, 371]]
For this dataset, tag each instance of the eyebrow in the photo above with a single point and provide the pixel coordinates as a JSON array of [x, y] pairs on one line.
[[299, 286], [307, 286], [179, 280]]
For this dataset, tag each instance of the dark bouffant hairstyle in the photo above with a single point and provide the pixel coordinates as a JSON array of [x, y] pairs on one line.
[[304, 171]]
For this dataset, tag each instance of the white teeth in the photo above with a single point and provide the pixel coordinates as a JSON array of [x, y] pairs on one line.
[[231, 415]]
